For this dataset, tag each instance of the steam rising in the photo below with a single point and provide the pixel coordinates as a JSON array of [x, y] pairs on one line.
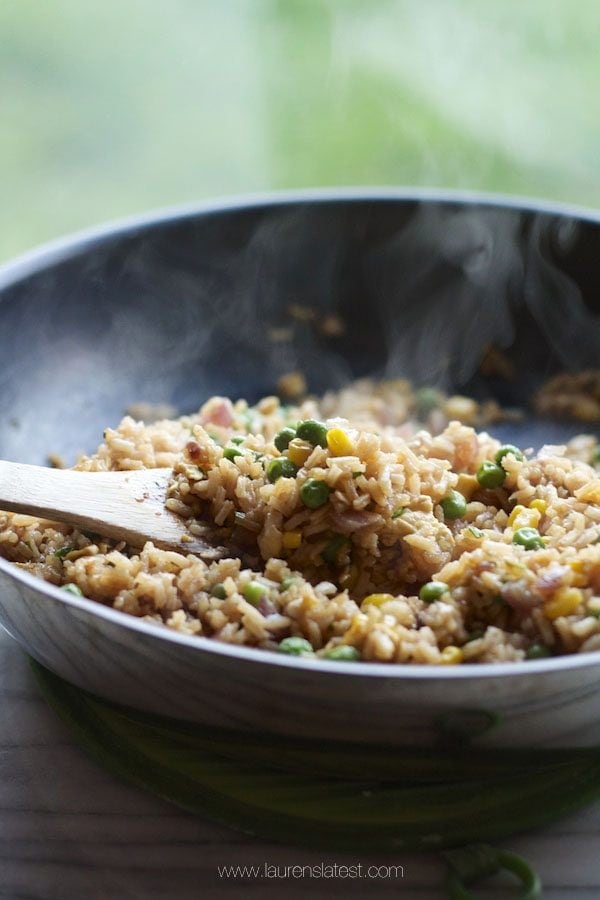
[[457, 283], [175, 318], [451, 280], [555, 301]]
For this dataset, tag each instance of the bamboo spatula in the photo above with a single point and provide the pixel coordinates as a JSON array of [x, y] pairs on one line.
[[124, 506]]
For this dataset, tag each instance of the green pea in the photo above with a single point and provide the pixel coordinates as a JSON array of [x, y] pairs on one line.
[[427, 399], [433, 590], [72, 589], [230, 453], [312, 431], [529, 538], [454, 505], [397, 512], [538, 651], [595, 458], [254, 592], [283, 438], [343, 653], [490, 475], [295, 646], [330, 552], [286, 583], [282, 467], [218, 591], [237, 440], [505, 450], [314, 493]]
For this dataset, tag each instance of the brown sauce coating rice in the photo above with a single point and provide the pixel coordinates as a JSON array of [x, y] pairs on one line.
[[348, 572]]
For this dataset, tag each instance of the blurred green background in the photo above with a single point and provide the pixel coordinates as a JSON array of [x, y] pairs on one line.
[[116, 106]]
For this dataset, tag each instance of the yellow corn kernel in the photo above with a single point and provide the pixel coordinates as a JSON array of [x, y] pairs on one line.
[[579, 578], [516, 512], [298, 452], [357, 630], [467, 485], [451, 656], [462, 408], [521, 517], [376, 600], [590, 492], [339, 443], [291, 540], [564, 603], [540, 505], [529, 518]]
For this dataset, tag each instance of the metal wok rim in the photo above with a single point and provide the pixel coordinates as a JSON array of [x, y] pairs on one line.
[[54, 251]]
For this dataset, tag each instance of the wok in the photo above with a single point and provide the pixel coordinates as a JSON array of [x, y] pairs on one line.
[[175, 306]]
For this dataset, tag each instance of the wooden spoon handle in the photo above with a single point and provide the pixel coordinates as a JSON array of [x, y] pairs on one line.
[[125, 506]]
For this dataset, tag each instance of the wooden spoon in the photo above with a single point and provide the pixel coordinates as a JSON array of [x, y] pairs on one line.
[[123, 506]]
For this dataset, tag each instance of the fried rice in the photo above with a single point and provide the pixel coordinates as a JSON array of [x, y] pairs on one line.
[[355, 532]]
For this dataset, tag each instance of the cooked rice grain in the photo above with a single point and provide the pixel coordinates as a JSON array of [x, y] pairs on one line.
[[349, 571]]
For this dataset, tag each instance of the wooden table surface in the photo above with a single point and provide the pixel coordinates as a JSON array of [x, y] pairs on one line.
[[70, 830]]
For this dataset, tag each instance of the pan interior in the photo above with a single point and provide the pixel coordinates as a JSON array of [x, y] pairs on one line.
[[226, 301]]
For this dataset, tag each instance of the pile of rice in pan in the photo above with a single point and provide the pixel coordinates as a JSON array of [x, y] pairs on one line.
[[372, 524]]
